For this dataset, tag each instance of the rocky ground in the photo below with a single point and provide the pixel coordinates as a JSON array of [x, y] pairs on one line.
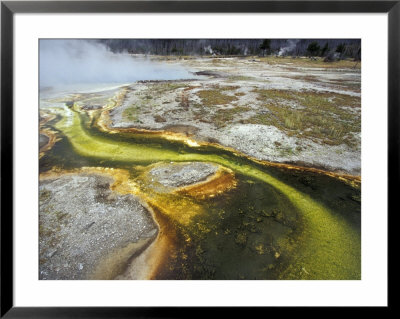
[[275, 109], [181, 174], [82, 221]]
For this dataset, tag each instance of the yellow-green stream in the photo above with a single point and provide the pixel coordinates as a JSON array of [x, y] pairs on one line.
[[330, 248]]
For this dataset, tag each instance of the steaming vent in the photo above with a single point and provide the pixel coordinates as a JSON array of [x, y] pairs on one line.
[[66, 62]]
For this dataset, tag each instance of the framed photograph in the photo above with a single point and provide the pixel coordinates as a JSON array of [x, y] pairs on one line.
[[163, 155]]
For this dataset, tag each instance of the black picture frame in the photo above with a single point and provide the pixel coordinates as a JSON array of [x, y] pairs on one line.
[[9, 8]]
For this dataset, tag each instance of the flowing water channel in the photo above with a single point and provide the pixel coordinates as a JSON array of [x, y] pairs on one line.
[[277, 223]]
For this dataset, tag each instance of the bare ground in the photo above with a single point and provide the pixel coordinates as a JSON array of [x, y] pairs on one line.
[[283, 110], [82, 221]]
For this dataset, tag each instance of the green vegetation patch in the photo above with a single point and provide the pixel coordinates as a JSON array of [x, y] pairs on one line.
[[316, 115], [131, 113], [160, 88], [318, 62], [44, 195], [222, 117], [216, 96], [240, 94], [240, 78], [149, 98]]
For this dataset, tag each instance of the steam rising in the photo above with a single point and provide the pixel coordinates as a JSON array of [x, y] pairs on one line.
[[208, 49], [84, 61], [291, 45]]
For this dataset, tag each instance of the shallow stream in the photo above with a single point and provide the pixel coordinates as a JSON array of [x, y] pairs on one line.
[[277, 223]]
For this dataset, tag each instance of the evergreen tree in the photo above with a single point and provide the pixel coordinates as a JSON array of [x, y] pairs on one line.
[[340, 48], [325, 49], [313, 48], [265, 46]]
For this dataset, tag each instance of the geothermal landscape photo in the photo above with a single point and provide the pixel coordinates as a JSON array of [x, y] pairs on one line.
[[199, 159]]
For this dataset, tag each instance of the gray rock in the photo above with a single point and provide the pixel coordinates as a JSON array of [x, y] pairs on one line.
[[182, 174], [80, 225]]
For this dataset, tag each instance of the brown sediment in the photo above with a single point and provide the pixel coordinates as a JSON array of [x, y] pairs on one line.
[[117, 174], [145, 263], [148, 264], [185, 98], [179, 209], [353, 180], [169, 199], [45, 117], [163, 247], [116, 263], [151, 261], [188, 130], [222, 181], [51, 135], [112, 103], [171, 210], [104, 123], [138, 260]]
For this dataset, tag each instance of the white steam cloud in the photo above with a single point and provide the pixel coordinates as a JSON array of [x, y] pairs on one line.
[[208, 49], [84, 61], [291, 45]]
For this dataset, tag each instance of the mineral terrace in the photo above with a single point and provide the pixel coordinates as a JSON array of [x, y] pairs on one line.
[[275, 109]]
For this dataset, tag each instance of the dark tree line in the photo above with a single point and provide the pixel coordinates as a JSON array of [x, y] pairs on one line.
[[347, 48], [340, 51]]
